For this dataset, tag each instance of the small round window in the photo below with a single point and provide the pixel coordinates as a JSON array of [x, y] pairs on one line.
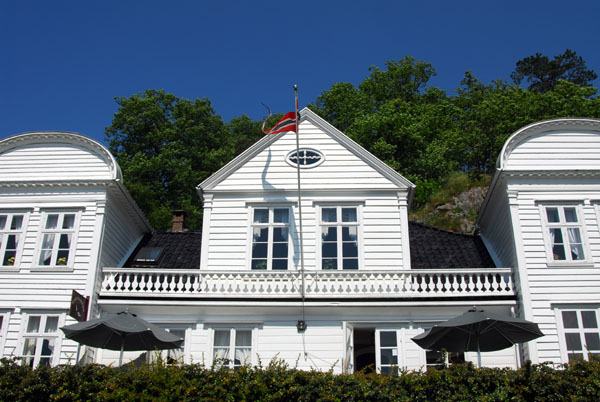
[[305, 157]]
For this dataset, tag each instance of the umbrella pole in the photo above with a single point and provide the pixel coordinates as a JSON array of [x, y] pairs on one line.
[[78, 350], [121, 354], [478, 353]]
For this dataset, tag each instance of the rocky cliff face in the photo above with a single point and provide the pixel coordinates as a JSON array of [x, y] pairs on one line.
[[458, 214]]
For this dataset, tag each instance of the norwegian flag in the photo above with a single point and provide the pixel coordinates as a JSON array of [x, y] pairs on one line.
[[288, 123]]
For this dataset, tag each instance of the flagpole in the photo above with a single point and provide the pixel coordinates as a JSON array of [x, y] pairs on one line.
[[302, 291]]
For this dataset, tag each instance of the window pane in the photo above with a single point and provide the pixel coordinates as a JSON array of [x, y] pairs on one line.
[[242, 356], [349, 233], [12, 241], [570, 214], [434, 357], [589, 319], [556, 236], [592, 341], [259, 264], [62, 257], [33, 325], [280, 264], [51, 324], [280, 234], [329, 264], [29, 346], [64, 241], [48, 241], [243, 338], [68, 221], [329, 215], [350, 250], [575, 356], [573, 342], [329, 250], [2, 222], [261, 216], [387, 338], [348, 214], [574, 235], [261, 234], [51, 221], [259, 250], [552, 214], [577, 252], [45, 256], [280, 250], [558, 252], [351, 263], [570, 319], [47, 347], [388, 357], [281, 215], [222, 338], [329, 233], [17, 222]]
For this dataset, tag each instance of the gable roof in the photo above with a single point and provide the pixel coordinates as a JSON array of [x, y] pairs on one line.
[[431, 248], [310, 116]]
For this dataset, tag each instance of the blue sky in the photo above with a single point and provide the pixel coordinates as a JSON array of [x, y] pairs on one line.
[[62, 63]]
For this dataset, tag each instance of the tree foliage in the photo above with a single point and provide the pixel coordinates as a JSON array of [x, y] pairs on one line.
[[544, 74]]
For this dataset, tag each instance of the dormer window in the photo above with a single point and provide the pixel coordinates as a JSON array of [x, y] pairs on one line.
[[306, 157], [148, 255]]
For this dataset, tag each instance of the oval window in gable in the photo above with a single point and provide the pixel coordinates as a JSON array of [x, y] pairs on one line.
[[305, 157]]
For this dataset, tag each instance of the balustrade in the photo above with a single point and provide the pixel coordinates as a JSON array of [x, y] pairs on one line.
[[321, 284]]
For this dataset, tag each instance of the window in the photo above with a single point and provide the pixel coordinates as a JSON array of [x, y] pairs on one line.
[[581, 333], [232, 347], [388, 352], [57, 245], [40, 340], [270, 238], [307, 158], [564, 230], [339, 237], [172, 356], [3, 329], [11, 235]]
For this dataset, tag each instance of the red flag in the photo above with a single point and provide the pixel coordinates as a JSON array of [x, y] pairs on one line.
[[288, 123]]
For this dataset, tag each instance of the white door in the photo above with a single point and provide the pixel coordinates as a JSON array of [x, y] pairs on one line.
[[387, 350], [348, 367]]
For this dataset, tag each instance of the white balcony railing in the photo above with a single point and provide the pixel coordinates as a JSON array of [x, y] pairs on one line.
[[318, 284]]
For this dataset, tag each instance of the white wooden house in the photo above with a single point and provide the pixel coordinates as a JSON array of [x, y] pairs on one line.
[[236, 290]]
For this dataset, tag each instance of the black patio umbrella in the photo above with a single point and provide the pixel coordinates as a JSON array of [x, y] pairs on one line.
[[123, 331], [477, 331]]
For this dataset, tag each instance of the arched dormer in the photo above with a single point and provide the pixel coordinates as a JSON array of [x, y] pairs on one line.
[[557, 144], [50, 156]]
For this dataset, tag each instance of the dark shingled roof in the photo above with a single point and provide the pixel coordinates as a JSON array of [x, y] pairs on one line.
[[429, 248], [181, 250], [437, 248]]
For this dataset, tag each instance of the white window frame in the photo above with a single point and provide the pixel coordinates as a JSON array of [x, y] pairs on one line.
[[339, 224], [7, 231], [4, 322], [40, 336], [233, 329], [58, 231], [563, 225], [270, 225], [562, 331]]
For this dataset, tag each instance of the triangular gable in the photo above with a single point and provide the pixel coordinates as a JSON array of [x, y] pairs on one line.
[[307, 116]]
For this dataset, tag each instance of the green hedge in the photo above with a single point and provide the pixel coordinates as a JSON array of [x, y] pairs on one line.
[[159, 382]]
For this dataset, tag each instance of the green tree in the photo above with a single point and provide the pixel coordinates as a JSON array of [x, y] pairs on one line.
[[544, 74], [166, 146]]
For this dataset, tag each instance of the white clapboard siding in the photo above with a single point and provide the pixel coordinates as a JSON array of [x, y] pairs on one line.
[[570, 150], [52, 162], [269, 171], [228, 240]]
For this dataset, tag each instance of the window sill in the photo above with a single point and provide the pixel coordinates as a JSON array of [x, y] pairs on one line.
[[8, 268], [570, 264], [51, 269]]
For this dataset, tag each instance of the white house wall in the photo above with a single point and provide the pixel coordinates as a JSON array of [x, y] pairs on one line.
[[52, 161], [269, 171], [383, 219]]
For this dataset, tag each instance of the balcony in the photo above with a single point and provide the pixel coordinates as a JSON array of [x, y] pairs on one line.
[[429, 283]]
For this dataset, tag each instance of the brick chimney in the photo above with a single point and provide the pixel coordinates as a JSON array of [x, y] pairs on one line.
[[178, 217]]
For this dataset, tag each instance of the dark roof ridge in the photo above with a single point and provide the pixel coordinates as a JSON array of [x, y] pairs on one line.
[[442, 230]]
